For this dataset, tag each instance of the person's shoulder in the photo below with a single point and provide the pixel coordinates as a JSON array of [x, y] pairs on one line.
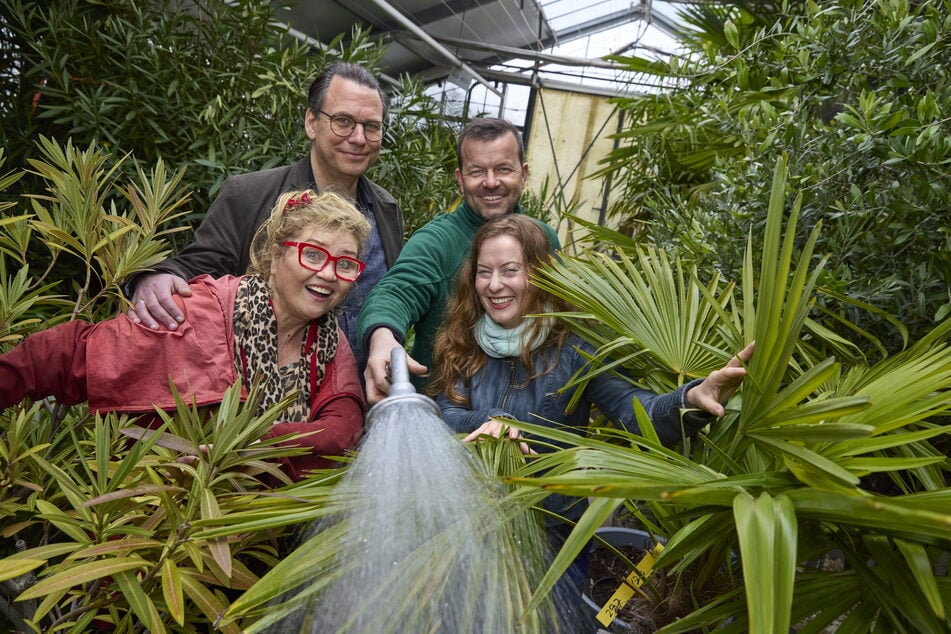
[[225, 287], [223, 281], [550, 232], [299, 171], [380, 193], [444, 235], [575, 345], [452, 222]]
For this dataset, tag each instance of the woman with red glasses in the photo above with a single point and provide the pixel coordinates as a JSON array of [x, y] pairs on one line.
[[275, 326]]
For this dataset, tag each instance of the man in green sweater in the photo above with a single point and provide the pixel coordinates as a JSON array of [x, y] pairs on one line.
[[413, 293]]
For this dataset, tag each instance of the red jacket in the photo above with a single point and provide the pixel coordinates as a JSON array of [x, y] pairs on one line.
[[120, 366]]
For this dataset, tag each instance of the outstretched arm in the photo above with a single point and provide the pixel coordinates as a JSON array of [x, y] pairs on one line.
[[48, 363]]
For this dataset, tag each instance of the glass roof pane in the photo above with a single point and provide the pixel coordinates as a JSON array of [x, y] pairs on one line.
[[585, 30]]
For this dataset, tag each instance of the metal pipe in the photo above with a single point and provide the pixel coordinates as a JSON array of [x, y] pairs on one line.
[[439, 48], [400, 385]]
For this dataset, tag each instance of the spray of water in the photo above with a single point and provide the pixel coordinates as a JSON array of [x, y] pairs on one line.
[[425, 540]]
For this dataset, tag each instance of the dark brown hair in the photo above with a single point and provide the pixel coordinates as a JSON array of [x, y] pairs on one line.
[[317, 93], [488, 129]]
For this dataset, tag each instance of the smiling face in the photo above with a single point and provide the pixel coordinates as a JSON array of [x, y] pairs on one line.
[[501, 280], [491, 176], [340, 160], [300, 295]]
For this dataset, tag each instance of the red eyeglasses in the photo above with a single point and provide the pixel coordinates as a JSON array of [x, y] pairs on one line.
[[316, 258]]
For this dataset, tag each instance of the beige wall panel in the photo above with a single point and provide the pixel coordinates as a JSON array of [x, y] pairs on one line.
[[568, 137]]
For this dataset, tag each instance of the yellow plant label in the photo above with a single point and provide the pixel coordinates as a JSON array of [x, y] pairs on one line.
[[629, 586]]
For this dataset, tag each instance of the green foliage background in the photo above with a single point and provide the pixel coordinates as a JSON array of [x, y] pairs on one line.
[[120, 121], [215, 87], [856, 93]]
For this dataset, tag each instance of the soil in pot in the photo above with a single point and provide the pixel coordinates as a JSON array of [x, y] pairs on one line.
[[642, 614], [661, 600]]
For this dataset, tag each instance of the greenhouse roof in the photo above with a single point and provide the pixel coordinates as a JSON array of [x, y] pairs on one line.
[[495, 41]]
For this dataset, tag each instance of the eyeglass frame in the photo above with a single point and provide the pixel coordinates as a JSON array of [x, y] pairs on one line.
[[355, 124], [330, 258]]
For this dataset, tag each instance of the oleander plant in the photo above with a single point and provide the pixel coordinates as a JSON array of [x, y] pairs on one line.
[[100, 521]]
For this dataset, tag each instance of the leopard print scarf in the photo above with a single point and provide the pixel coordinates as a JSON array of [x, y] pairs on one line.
[[255, 346]]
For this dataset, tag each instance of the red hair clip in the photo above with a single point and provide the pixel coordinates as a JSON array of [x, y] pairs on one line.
[[293, 202]]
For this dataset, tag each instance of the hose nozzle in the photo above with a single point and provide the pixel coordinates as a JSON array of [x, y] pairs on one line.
[[401, 389]]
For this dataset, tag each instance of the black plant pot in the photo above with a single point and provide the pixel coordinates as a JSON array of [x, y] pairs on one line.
[[618, 537]]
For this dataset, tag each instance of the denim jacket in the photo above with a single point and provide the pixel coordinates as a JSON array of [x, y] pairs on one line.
[[500, 389]]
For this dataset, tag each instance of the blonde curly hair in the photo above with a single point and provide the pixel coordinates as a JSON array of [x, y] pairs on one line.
[[295, 211]]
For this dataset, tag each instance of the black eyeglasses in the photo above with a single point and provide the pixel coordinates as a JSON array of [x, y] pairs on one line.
[[343, 126], [317, 258]]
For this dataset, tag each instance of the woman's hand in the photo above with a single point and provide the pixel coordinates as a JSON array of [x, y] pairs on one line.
[[496, 428], [717, 388]]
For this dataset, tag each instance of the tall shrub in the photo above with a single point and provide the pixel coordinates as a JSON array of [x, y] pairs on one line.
[[856, 93], [216, 87]]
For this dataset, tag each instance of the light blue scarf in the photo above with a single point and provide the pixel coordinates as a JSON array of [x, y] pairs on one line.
[[500, 342]]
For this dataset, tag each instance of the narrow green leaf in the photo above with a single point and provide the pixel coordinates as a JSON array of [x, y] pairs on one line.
[[125, 546], [921, 569], [69, 525], [766, 528], [12, 570], [208, 603], [172, 591], [140, 603], [810, 460], [121, 494], [892, 516], [826, 432], [78, 575], [594, 517], [813, 412], [44, 552], [218, 546]]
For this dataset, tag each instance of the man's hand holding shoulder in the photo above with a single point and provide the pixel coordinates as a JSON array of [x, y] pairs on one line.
[[153, 302]]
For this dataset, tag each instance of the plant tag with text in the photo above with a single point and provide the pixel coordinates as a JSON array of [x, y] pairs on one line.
[[629, 586]]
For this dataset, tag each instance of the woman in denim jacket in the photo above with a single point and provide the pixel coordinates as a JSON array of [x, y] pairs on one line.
[[495, 363]]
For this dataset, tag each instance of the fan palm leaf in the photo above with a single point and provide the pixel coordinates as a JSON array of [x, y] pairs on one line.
[[778, 479]]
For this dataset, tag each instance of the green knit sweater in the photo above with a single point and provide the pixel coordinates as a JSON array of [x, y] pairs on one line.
[[414, 292]]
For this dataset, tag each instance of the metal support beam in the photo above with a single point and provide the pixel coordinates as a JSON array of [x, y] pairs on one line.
[[439, 48], [636, 12], [511, 52]]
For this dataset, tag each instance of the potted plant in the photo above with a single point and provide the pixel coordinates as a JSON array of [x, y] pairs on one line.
[[621, 566]]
